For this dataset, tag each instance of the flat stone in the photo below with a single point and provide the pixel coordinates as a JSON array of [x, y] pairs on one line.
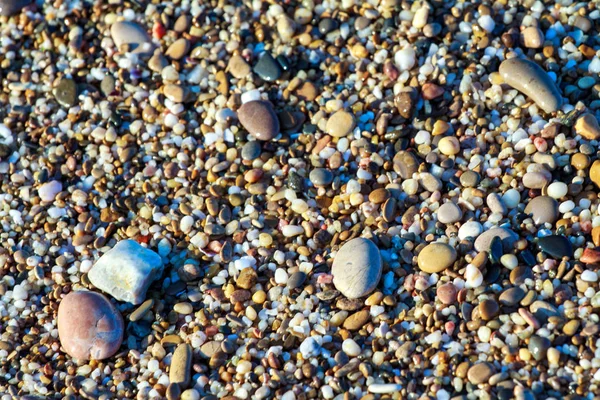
[[449, 213], [267, 67], [436, 257], [480, 373], [259, 118], [340, 124], [508, 237], [126, 271], [238, 67], [178, 49], [208, 349], [89, 326], [587, 126], [321, 177], [357, 268], [544, 209], [133, 35], [251, 150], [511, 296], [11, 7], [556, 246], [66, 92], [529, 78], [181, 365], [429, 182], [469, 179]]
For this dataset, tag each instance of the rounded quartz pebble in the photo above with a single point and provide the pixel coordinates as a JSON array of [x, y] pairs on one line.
[[357, 268], [436, 257], [89, 326], [259, 118], [340, 124]]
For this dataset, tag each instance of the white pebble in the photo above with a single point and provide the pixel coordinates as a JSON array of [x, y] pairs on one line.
[[557, 190], [589, 276], [351, 348], [49, 190], [405, 59]]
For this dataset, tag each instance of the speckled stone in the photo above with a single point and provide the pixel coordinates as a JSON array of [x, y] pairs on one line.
[[259, 118], [89, 326], [357, 268]]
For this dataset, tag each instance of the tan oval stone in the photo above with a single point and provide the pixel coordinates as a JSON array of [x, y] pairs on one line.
[[340, 124], [181, 364], [436, 257], [259, 118]]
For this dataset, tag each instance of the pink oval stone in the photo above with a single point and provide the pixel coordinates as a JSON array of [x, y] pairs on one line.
[[447, 293], [89, 326]]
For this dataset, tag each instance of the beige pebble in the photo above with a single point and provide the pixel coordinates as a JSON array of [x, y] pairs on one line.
[[340, 124]]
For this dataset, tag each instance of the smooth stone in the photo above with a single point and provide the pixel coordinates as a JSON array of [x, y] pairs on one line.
[[544, 209], [494, 202], [538, 346], [488, 309], [326, 25], [357, 268], [429, 182], [209, 349], [247, 278], [470, 229], [178, 49], [496, 250], [447, 293], [436, 257], [49, 190], [133, 35], [321, 177], [529, 78], [480, 373], [267, 67], [406, 164], [543, 310], [66, 92], [175, 93], [307, 91], [535, 180], [11, 7], [519, 275], [107, 86], [357, 320], [296, 280], [556, 246], [181, 365], [340, 124], [511, 296], [251, 150], [533, 38], [126, 271], [238, 67], [595, 173], [449, 213], [89, 326], [259, 118], [508, 237]]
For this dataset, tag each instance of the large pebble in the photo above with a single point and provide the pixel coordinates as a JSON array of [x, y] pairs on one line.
[[89, 326], [133, 35], [544, 209], [181, 364], [126, 271], [49, 190], [259, 118], [11, 7], [480, 373], [587, 126], [340, 124], [436, 257], [357, 268], [529, 78], [507, 236], [449, 213]]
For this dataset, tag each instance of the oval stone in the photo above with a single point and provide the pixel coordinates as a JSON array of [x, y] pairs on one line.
[[436, 257], [508, 238], [259, 118], [357, 268], [89, 326], [544, 209], [133, 35]]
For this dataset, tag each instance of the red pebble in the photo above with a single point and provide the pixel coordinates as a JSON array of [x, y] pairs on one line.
[[158, 30], [590, 256]]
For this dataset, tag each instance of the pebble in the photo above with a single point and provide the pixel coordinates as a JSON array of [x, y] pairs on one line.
[[449, 213], [296, 280], [488, 309], [357, 320], [529, 78], [181, 365], [178, 49], [449, 145], [49, 190], [556, 246], [507, 236], [340, 124], [595, 173], [321, 177], [133, 35], [327, 25], [382, 388], [351, 348], [447, 293], [66, 92], [175, 93], [538, 346], [511, 296], [436, 257], [259, 119], [238, 67], [544, 209], [267, 68], [357, 268], [470, 229], [533, 38], [557, 190], [89, 326], [480, 373], [587, 126], [126, 271]]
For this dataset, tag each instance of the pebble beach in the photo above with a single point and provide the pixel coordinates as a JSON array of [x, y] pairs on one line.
[[388, 199]]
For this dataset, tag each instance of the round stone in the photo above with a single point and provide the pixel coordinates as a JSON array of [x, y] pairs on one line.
[[449, 213], [449, 145], [544, 209], [447, 293], [488, 309], [321, 177], [469, 179], [558, 190], [508, 238], [66, 92], [89, 326], [340, 124], [357, 268], [251, 150], [436, 257], [512, 296], [259, 118], [470, 229], [238, 67], [480, 373], [595, 172]]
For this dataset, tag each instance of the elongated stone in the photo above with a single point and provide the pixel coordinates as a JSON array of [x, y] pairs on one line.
[[181, 365], [529, 78], [126, 271]]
